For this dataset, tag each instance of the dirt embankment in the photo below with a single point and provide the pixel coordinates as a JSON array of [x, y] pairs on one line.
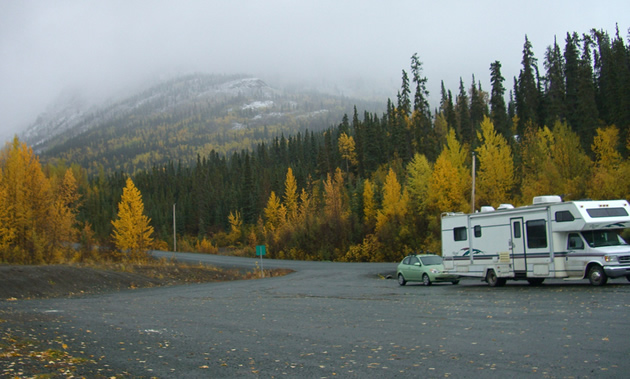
[[24, 282]]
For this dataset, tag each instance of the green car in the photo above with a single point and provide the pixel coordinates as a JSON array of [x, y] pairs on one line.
[[425, 268]]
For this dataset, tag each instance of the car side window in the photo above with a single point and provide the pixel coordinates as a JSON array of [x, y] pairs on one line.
[[414, 260], [406, 260], [575, 242]]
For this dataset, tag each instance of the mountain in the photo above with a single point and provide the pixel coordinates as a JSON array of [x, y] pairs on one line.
[[178, 119]]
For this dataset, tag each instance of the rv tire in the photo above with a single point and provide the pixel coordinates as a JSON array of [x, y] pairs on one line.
[[493, 280], [425, 280], [597, 276], [401, 280]]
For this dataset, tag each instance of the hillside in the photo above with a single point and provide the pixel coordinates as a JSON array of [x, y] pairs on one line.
[[178, 120]]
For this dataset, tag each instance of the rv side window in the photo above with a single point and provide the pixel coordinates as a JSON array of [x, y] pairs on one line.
[[477, 231], [564, 216], [459, 234], [536, 234], [606, 212]]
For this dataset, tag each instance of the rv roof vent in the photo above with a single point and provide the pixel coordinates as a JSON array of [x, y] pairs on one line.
[[506, 206], [547, 199], [487, 208]]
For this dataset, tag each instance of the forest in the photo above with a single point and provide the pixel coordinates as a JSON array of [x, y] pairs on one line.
[[373, 187]]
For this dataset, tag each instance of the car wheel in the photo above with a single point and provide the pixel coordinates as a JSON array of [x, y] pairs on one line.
[[401, 280], [493, 280], [425, 280], [535, 281], [597, 276], [455, 282]]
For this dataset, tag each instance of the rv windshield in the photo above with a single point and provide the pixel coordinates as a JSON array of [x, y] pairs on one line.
[[599, 238]]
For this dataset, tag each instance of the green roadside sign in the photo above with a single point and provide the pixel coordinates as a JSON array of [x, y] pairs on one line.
[[260, 250]]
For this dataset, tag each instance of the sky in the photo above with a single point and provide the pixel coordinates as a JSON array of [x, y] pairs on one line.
[[355, 47]]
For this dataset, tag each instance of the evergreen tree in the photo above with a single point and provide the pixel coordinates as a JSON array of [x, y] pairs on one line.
[[498, 111], [464, 126], [478, 108], [571, 75], [527, 93], [587, 114], [555, 85]]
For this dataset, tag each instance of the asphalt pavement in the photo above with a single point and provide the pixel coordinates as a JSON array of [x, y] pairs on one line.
[[344, 320]]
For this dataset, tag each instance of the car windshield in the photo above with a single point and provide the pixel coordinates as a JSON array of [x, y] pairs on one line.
[[599, 238], [431, 260]]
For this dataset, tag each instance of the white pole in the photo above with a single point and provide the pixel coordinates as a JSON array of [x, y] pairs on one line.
[[472, 200], [174, 230]]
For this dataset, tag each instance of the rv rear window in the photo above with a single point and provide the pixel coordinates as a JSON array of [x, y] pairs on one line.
[[459, 234], [536, 234], [564, 216], [606, 212]]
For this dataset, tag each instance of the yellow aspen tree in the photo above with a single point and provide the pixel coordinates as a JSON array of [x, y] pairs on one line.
[[132, 230], [418, 175], [275, 213], [291, 196], [30, 197], [571, 162], [347, 150], [7, 231], [495, 178], [334, 204], [538, 173], [65, 209], [394, 201], [305, 208], [391, 227], [449, 185], [369, 204], [608, 180], [236, 227]]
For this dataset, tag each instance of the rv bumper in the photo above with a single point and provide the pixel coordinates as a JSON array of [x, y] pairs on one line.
[[617, 271]]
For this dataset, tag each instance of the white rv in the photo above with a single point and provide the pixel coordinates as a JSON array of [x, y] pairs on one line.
[[549, 239]]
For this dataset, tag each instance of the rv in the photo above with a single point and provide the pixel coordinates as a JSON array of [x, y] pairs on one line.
[[549, 239]]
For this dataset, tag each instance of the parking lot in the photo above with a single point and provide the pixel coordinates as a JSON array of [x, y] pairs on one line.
[[346, 320]]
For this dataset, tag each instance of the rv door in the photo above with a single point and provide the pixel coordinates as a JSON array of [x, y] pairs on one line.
[[519, 262]]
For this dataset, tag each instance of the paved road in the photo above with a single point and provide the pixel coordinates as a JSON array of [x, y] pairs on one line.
[[335, 319]]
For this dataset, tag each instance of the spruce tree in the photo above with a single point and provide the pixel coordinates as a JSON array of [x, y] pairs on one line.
[[527, 93], [498, 111], [555, 85]]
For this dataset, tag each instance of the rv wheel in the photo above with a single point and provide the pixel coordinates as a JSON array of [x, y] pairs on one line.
[[401, 280], [597, 276], [493, 280]]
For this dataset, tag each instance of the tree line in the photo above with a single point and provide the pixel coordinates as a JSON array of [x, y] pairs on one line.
[[373, 187]]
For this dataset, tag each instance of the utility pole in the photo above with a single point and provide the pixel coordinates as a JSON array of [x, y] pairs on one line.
[[174, 230], [472, 197]]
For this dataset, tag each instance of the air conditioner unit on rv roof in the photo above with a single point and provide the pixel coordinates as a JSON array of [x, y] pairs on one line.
[[547, 199]]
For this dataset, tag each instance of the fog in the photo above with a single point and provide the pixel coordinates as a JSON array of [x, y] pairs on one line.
[[357, 48]]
